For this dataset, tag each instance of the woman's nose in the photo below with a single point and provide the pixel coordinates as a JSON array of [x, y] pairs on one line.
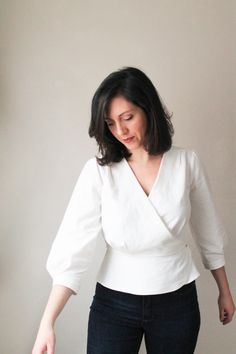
[[120, 130]]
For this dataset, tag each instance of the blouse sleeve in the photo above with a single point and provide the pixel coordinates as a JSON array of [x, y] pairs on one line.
[[205, 223], [74, 245]]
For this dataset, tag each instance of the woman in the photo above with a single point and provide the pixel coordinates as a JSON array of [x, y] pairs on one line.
[[144, 196]]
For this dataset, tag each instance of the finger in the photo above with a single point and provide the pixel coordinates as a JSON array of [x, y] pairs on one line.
[[228, 318], [226, 321], [50, 349], [223, 315]]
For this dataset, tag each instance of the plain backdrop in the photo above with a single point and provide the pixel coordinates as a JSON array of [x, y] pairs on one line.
[[54, 54]]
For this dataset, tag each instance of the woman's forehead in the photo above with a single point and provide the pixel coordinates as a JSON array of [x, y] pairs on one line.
[[119, 106]]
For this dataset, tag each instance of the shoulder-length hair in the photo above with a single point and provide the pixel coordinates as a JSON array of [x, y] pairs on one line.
[[136, 87]]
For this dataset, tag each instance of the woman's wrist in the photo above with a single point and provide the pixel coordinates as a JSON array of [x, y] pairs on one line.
[[225, 294], [47, 323], [48, 319], [221, 281]]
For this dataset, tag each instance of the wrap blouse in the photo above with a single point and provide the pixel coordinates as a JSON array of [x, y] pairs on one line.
[[146, 237]]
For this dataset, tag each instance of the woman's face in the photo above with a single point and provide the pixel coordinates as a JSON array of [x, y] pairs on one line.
[[127, 122]]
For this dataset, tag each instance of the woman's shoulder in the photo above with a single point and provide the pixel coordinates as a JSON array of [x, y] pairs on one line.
[[187, 152], [93, 169]]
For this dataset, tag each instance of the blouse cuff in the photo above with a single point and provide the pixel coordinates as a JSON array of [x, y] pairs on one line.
[[64, 281], [212, 265]]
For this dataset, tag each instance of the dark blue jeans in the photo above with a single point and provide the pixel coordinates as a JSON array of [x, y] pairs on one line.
[[170, 322]]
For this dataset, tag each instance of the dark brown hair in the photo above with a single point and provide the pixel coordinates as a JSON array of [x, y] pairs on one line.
[[136, 87]]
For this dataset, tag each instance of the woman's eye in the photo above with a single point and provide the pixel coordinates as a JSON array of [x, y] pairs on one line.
[[130, 117], [110, 124]]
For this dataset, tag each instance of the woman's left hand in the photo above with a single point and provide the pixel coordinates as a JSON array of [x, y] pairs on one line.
[[226, 308]]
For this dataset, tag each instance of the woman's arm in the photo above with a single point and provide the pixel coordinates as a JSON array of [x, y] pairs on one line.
[[225, 300], [45, 341], [209, 233]]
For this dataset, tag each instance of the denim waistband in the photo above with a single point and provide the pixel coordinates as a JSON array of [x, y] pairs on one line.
[[105, 291]]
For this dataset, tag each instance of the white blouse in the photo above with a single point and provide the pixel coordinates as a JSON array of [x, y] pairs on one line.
[[146, 237]]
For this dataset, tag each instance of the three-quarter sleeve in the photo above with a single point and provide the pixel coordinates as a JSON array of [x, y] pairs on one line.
[[205, 223], [75, 242]]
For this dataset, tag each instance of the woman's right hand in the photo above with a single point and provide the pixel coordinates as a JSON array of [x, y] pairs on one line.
[[45, 341]]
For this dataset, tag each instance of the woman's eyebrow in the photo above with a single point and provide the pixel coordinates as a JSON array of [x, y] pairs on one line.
[[107, 118]]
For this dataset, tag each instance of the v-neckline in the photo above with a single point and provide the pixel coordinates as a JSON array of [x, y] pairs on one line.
[[148, 196]]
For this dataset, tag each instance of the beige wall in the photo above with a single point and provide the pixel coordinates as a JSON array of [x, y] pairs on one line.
[[54, 55]]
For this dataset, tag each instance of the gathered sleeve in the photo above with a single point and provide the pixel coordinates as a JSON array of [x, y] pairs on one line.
[[75, 242], [205, 223]]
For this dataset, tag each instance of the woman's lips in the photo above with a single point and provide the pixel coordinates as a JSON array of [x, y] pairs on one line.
[[128, 140]]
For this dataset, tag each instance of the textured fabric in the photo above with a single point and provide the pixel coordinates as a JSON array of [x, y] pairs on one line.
[[146, 237], [169, 322]]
